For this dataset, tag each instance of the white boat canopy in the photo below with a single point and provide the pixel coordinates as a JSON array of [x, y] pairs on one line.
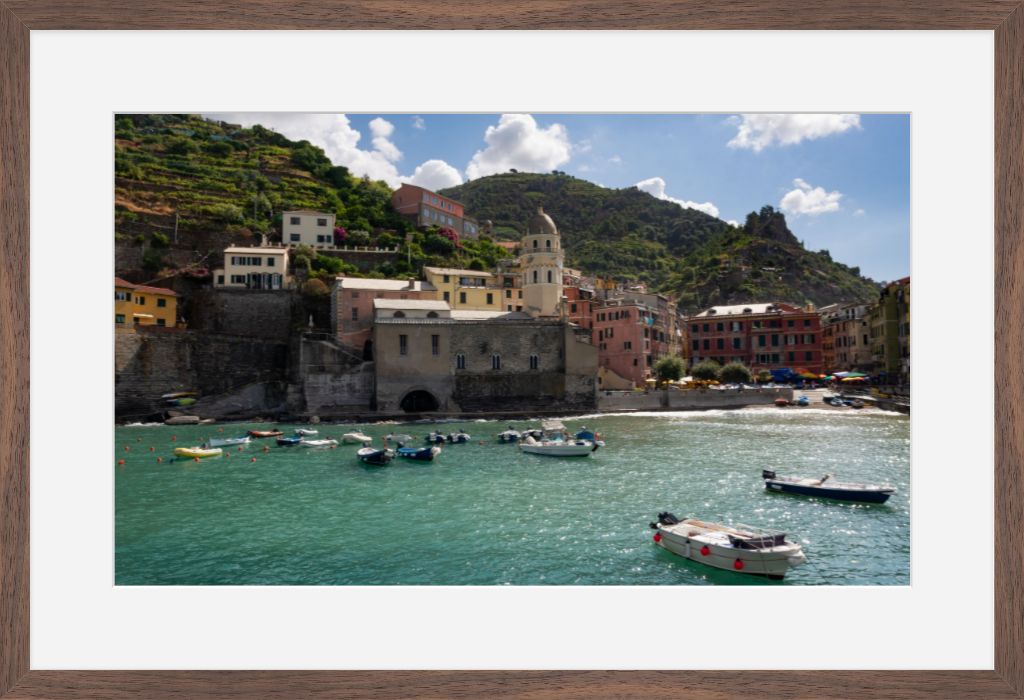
[[552, 425]]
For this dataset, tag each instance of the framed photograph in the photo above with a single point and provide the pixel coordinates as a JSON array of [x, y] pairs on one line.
[[437, 355]]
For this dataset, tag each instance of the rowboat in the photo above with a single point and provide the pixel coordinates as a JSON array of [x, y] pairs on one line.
[[423, 454], [356, 438], [743, 548], [319, 443], [228, 442], [305, 432], [265, 433], [369, 455], [196, 452], [826, 488], [289, 441]]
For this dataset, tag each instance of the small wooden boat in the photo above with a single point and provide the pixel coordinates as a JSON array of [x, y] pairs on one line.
[[305, 432], [289, 441], [423, 454], [319, 443], [197, 452], [743, 548], [781, 403], [369, 455], [825, 487], [459, 437], [228, 442], [265, 433], [356, 438]]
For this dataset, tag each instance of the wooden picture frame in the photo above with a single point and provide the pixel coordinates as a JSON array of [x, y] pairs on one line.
[[1004, 17]]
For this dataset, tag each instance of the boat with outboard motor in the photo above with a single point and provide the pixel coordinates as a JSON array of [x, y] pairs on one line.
[[328, 442], [375, 457], [825, 487], [509, 435], [288, 441], [743, 548], [435, 438], [398, 437], [306, 432], [355, 438], [265, 433], [228, 442], [556, 442], [423, 454], [458, 437], [587, 434]]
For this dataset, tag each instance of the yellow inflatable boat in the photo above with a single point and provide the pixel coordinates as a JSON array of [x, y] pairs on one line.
[[197, 452]]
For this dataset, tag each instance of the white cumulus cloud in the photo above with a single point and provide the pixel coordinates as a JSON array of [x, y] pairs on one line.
[[418, 123], [758, 131], [810, 200], [656, 186], [518, 142], [340, 140], [435, 175]]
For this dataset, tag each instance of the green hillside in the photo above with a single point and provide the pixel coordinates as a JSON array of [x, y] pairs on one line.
[[629, 235]]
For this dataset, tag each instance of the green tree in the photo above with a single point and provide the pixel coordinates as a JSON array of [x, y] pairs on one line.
[[315, 289], [706, 370], [735, 373], [764, 376], [669, 368]]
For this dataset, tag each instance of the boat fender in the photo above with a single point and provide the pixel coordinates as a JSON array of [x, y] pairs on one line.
[[738, 565], [705, 550], [657, 537]]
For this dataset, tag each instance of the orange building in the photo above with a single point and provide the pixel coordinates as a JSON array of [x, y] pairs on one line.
[[426, 208]]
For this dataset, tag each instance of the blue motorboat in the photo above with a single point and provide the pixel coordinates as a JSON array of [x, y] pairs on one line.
[[587, 434], [436, 438], [825, 487], [289, 441], [458, 437], [423, 454], [803, 401]]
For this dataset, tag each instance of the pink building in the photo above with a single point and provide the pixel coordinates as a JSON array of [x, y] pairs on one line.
[[352, 307], [630, 337]]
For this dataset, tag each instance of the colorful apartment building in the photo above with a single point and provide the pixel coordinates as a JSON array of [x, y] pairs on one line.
[[630, 337], [305, 227], [253, 268], [426, 208], [352, 301], [142, 305], [579, 303], [761, 336], [472, 289], [845, 337], [889, 323]]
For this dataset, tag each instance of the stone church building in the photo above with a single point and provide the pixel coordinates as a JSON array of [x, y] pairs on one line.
[[429, 357]]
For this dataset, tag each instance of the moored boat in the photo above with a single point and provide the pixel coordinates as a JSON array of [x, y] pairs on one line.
[[435, 438], [398, 437], [825, 487], [803, 401], [369, 455], [265, 433], [197, 452], [509, 435], [328, 442], [743, 548], [356, 438], [228, 442], [289, 441], [459, 437], [587, 434], [305, 432], [781, 402], [556, 442], [423, 454]]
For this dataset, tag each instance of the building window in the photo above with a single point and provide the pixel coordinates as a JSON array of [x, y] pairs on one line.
[[161, 322], [495, 361], [534, 362], [721, 344], [321, 222], [447, 296], [508, 293], [707, 344], [792, 357], [122, 296], [238, 279], [719, 326], [403, 345], [572, 308], [535, 277], [707, 327], [270, 262], [761, 341], [808, 355], [547, 243], [431, 314], [534, 242], [550, 278], [737, 343], [446, 279], [220, 279], [627, 345], [294, 221], [355, 313], [399, 314], [141, 301], [490, 298], [161, 303], [789, 323], [462, 297], [119, 318], [775, 340], [435, 345], [807, 323], [295, 237], [460, 361]]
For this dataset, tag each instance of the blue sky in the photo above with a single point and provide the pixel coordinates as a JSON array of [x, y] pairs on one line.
[[843, 180]]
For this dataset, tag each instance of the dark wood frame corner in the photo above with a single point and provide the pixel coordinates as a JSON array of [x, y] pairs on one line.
[[1004, 17]]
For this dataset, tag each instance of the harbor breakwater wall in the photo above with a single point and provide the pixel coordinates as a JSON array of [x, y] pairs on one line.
[[672, 400]]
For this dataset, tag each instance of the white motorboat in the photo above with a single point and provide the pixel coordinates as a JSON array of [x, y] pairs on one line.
[[510, 435], [305, 432], [743, 548], [557, 442], [369, 455], [228, 442], [356, 438], [459, 437], [319, 443], [398, 437]]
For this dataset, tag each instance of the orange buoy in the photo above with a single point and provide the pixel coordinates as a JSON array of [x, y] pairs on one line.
[[152, 449], [120, 461], [126, 448], [173, 438], [195, 459], [253, 459], [159, 460]]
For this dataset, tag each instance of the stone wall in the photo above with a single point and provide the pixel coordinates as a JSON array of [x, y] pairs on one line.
[[329, 380], [687, 400], [269, 315], [152, 362]]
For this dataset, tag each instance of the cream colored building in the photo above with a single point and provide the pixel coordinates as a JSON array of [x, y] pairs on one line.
[[541, 261], [305, 227], [253, 268], [467, 289]]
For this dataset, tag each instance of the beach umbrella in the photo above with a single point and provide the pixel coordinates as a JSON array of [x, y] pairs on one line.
[[855, 374], [841, 374], [829, 378], [808, 375], [852, 379]]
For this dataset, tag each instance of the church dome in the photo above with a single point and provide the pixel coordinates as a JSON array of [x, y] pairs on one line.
[[541, 224]]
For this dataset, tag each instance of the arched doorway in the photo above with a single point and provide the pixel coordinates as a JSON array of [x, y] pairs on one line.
[[419, 401], [368, 351]]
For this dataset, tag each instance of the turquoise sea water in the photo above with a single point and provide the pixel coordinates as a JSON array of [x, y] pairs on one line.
[[485, 514]]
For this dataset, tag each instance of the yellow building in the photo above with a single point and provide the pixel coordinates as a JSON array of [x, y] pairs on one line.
[[139, 305], [467, 289]]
